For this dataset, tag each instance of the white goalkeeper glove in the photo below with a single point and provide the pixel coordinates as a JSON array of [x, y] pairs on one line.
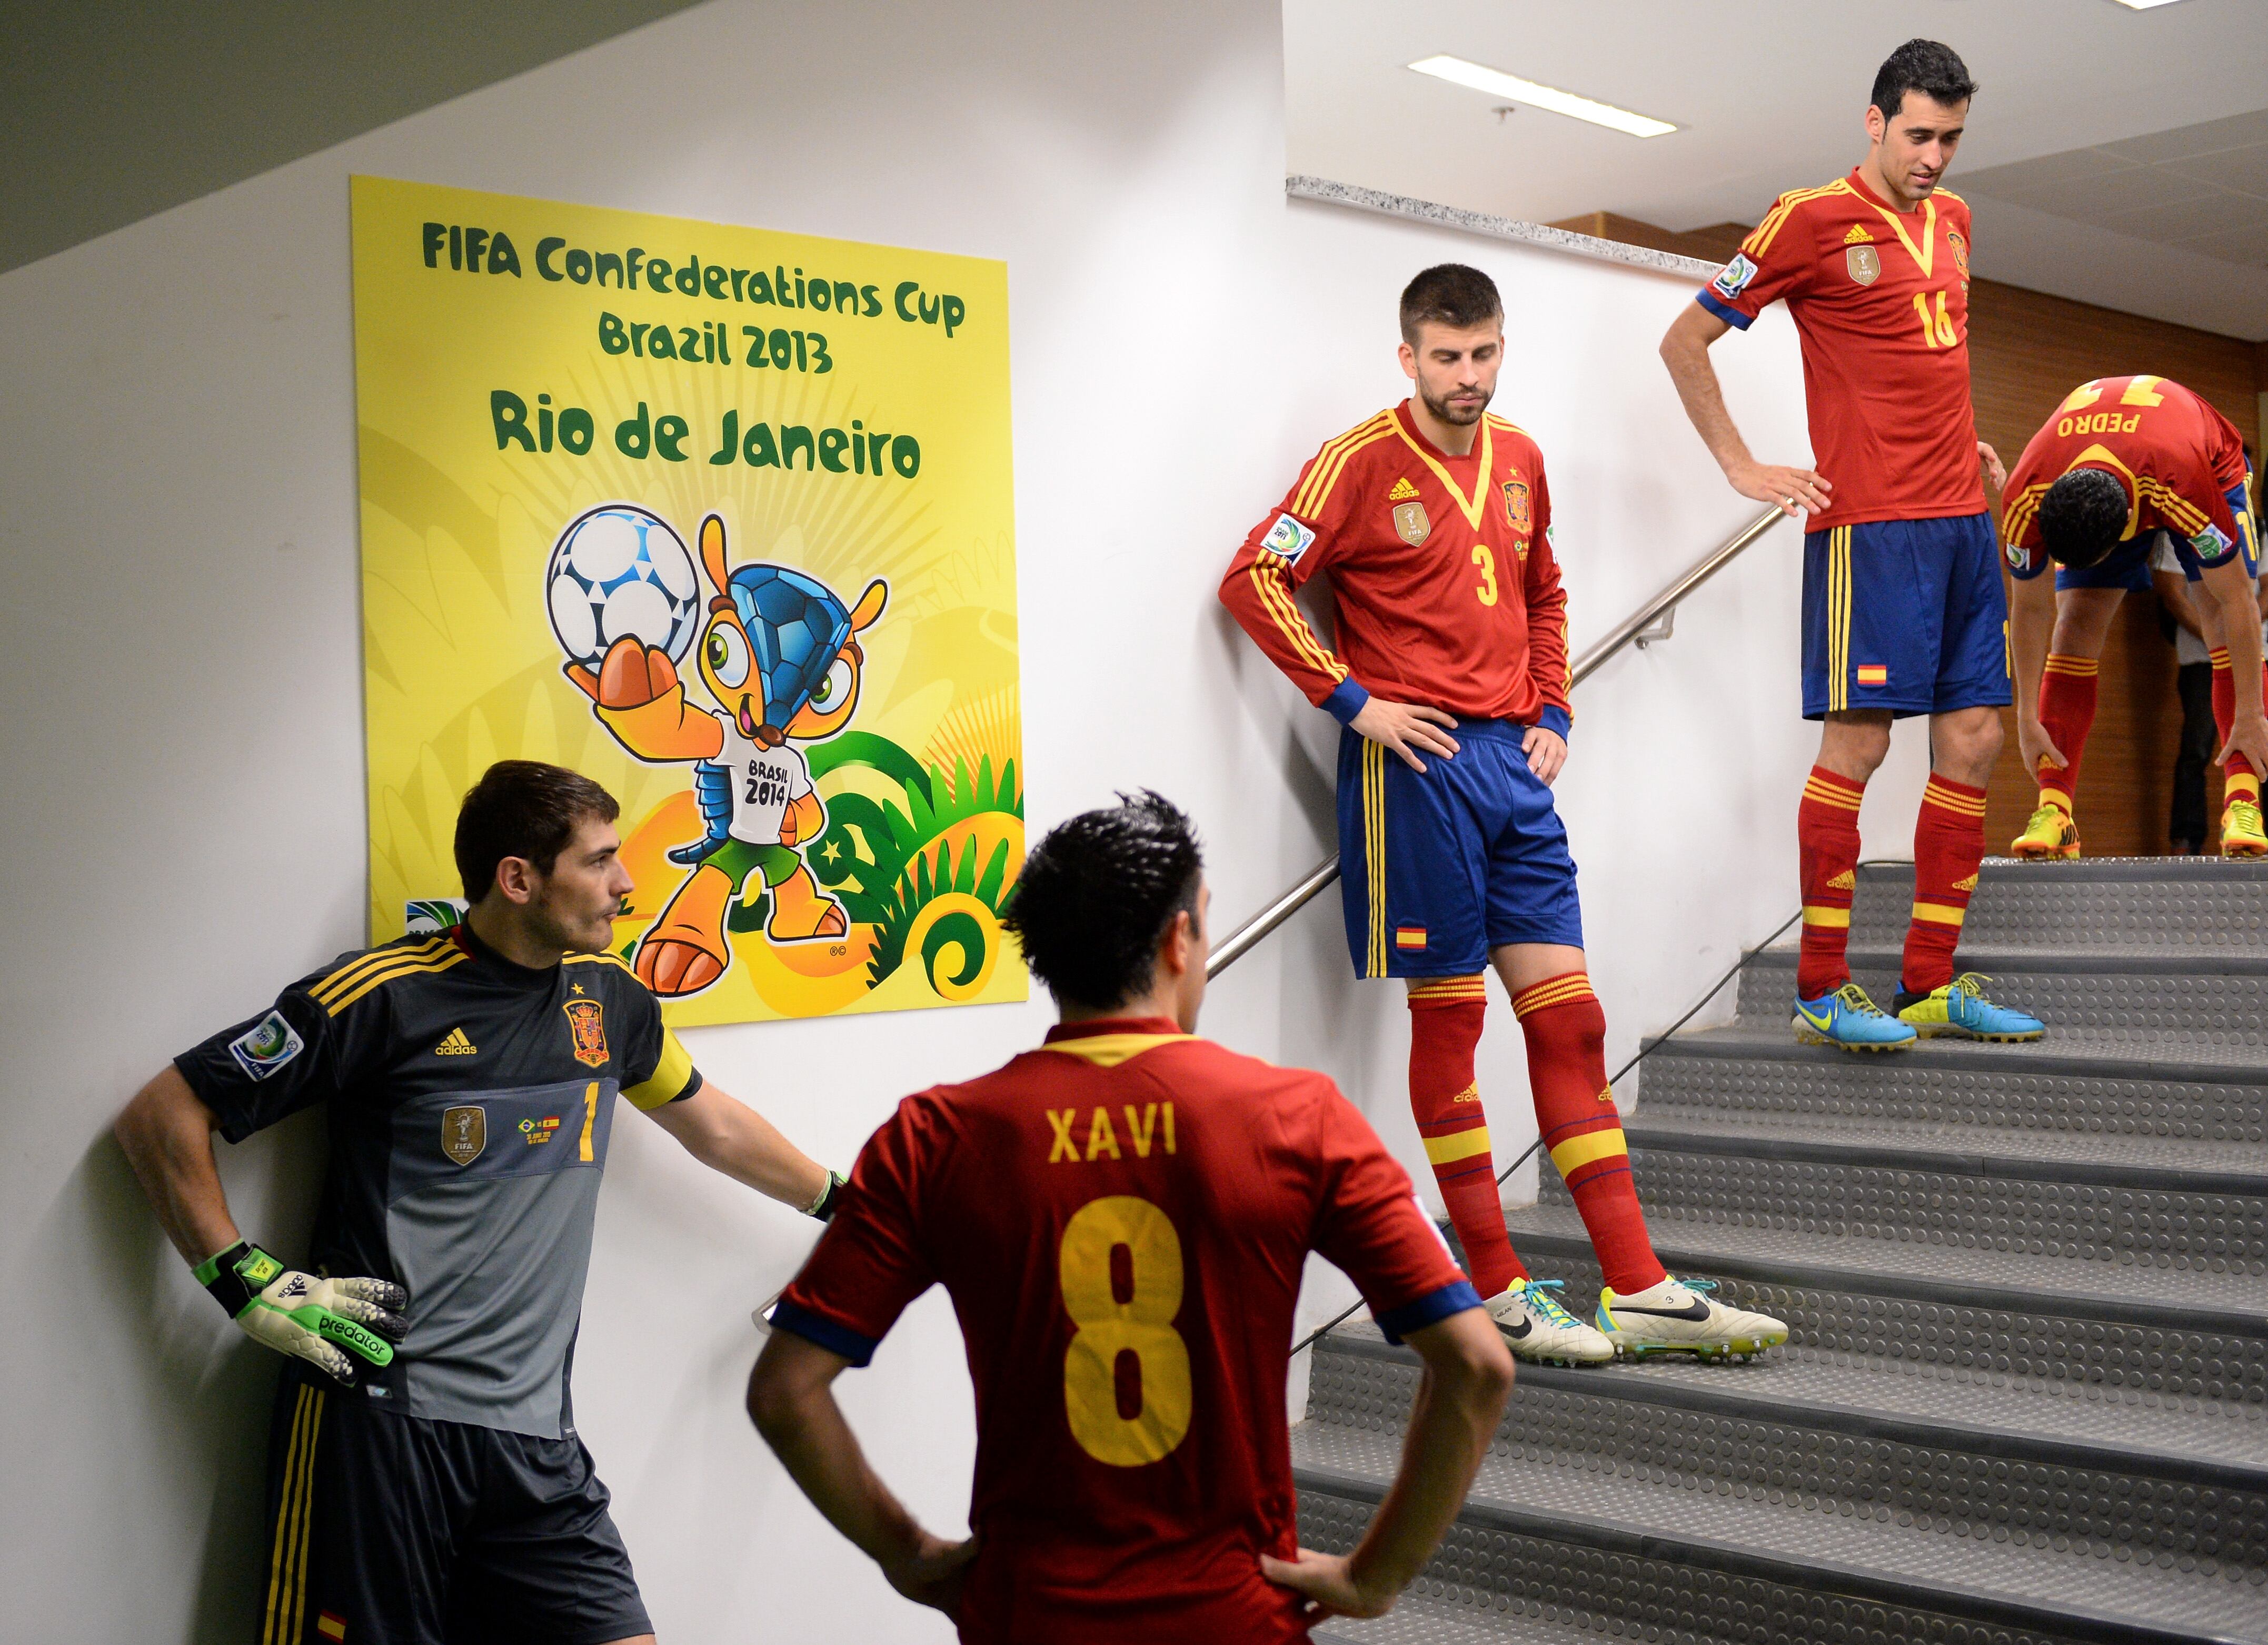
[[307, 1317]]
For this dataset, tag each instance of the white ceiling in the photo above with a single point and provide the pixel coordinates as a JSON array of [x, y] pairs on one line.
[[1771, 95]]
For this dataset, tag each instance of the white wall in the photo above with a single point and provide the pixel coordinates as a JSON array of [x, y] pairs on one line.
[[182, 674]]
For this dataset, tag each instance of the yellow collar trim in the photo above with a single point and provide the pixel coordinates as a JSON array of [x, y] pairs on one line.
[[2098, 454], [1927, 253], [1108, 1050], [1473, 506]]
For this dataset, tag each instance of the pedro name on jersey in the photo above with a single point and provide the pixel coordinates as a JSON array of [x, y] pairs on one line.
[[2175, 454], [1442, 575], [1880, 301]]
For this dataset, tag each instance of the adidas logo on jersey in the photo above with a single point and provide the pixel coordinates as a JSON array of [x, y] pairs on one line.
[[1858, 236], [1403, 490], [1844, 882], [456, 1045]]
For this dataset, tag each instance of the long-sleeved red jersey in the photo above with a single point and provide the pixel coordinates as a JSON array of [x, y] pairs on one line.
[[1441, 573]]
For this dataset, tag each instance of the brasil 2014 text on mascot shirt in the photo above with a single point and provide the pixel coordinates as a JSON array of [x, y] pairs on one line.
[[721, 517]]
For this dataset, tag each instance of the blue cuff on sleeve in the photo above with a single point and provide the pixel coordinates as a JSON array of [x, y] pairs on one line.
[[1556, 720], [1345, 701], [1428, 1310], [829, 1335], [1725, 312]]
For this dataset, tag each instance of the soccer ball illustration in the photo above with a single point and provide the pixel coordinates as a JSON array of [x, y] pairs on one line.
[[618, 570]]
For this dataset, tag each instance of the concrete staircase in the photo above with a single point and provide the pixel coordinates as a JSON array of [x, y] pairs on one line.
[[2025, 1396]]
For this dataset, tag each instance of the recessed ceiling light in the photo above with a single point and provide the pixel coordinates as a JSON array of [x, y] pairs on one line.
[[1496, 83], [2143, 5]]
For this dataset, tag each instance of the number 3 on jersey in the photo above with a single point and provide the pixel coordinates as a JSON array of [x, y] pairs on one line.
[[1126, 1375]]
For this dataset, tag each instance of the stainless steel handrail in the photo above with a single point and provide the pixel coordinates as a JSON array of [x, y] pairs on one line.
[[1241, 941]]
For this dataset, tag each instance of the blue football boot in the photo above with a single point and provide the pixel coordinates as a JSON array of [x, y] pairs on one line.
[[1848, 1021], [1961, 1007]]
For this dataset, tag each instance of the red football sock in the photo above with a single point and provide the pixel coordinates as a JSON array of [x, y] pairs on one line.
[[2066, 712], [1445, 1027], [1575, 1113], [1948, 843], [2239, 780], [1827, 836]]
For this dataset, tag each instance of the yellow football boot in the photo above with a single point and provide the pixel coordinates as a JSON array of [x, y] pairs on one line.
[[2051, 834], [2240, 832]]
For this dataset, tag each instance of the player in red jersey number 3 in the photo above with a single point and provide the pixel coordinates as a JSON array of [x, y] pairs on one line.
[[1903, 608], [1122, 1217]]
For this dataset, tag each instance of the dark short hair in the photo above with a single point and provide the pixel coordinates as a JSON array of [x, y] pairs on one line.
[[1927, 66], [1448, 294], [523, 808], [2082, 517], [1097, 894]]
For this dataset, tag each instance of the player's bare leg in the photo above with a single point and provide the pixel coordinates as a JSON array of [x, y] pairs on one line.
[[2066, 709], [1830, 1009], [1948, 849], [684, 950], [2242, 831], [1642, 1309]]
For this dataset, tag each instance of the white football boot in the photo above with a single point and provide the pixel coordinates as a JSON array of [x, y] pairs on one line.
[[1538, 1329], [1680, 1316]]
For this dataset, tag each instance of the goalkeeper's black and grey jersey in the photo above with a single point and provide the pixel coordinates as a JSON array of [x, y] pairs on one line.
[[470, 1103]]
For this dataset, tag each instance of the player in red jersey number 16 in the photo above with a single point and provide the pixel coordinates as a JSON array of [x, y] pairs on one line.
[[1122, 1217]]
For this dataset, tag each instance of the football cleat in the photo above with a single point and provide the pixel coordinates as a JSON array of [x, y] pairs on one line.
[[2050, 834], [1850, 1020], [1680, 1316], [2241, 833], [1538, 1329], [1961, 1007]]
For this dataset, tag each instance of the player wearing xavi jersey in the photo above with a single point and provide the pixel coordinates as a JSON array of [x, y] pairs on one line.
[[426, 1481], [1121, 1218], [1903, 607], [1432, 522], [2125, 468]]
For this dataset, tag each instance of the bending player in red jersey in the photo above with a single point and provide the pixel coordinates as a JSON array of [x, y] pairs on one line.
[[1903, 608], [1434, 522], [1121, 1218], [2123, 463]]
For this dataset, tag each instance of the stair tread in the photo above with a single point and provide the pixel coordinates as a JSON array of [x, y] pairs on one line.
[[1796, 1383], [1743, 1523], [1881, 952], [1664, 1124], [1421, 1618], [2135, 1053], [2048, 1285]]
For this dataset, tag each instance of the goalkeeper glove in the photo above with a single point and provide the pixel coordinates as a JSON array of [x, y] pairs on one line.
[[298, 1314]]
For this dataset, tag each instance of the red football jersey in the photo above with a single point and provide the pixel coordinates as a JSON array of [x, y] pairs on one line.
[[2177, 456], [1881, 300], [1121, 1218], [1441, 574]]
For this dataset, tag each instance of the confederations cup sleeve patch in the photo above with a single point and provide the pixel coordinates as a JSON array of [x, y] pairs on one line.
[[1287, 539], [1733, 278], [266, 1046]]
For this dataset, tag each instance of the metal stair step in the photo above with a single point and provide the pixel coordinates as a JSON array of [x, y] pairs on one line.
[[1698, 1489], [2169, 905], [2051, 1090], [2213, 1008]]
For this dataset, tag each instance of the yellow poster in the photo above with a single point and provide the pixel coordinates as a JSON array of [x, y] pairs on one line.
[[723, 519]]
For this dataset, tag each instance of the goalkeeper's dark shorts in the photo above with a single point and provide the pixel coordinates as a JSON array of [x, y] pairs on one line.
[[415, 1532]]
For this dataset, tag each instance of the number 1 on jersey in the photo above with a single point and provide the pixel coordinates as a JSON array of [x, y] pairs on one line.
[[1126, 1375]]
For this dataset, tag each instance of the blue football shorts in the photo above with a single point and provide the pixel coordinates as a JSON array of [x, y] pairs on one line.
[[1904, 614], [1437, 867], [2128, 565]]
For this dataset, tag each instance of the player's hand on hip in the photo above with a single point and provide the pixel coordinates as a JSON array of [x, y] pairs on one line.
[[1327, 1582], [2036, 746], [1797, 491], [308, 1317], [2249, 736], [1408, 728], [1546, 751], [1988, 463], [933, 1574]]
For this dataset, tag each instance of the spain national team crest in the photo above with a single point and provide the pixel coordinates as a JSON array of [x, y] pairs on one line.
[[587, 1020], [464, 1133], [1959, 244], [1517, 513], [1410, 524], [1864, 263]]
